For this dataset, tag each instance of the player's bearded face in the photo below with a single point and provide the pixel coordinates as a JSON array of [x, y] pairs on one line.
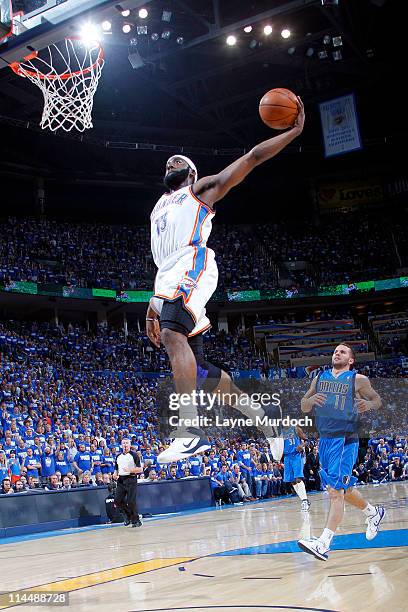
[[175, 178]]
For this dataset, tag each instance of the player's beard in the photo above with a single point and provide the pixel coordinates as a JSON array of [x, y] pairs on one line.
[[173, 180]]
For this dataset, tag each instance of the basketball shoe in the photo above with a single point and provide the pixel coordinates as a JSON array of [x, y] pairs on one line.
[[182, 448], [276, 446], [273, 433], [314, 547], [374, 522]]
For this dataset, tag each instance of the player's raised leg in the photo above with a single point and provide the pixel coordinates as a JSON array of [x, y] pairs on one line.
[[374, 514], [176, 323]]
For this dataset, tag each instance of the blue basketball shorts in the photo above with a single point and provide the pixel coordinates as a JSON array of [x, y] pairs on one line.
[[293, 465], [337, 459]]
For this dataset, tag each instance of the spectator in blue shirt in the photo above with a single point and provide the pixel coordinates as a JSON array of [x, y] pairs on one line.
[[213, 461], [82, 460], [244, 460], [14, 467], [195, 465], [96, 457], [61, 464], [275, 478], [205, 464], [47, 463], [397, 452], [382, 446], [21, 451], [107, 462], [29, 437], [4, 471], [9, 445], [224, 474], [148, 454], [32, 464], [62, 448], [384, 460], [261, 481]]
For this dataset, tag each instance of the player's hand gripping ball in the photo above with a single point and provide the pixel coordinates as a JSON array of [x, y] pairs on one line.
[[279, 108]]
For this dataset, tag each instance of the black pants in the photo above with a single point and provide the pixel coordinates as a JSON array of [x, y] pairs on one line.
[[222, 493], [312, 482], [125, 497]]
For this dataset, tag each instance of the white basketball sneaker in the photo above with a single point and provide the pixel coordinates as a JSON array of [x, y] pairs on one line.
[[314, 547], [374, 522], [276, 446], [305, 505], [182, 448]]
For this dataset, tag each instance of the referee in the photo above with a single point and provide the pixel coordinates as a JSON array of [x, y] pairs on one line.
[[127, 465]]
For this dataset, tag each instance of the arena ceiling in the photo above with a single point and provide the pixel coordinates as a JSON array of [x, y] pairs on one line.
[[203, 91], [204, 95]]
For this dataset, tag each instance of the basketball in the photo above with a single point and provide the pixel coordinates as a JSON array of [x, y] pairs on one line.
[[278, 108]]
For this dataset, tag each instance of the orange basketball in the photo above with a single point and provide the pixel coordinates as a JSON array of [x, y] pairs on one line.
[[278, 108]]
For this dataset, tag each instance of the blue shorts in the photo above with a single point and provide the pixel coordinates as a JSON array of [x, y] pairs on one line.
[[293, 467], [337, 459]]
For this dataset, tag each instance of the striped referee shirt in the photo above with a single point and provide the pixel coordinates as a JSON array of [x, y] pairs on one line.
[[126, 462]]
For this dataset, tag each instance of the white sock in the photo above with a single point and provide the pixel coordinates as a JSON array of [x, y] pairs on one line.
[[326, 537], [370, 510], [300, 490]]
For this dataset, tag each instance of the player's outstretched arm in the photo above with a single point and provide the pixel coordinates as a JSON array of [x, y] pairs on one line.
[[211, 189]]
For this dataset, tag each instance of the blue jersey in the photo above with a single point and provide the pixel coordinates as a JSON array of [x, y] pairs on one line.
[[338, 417], [291, 441], [195, 465]]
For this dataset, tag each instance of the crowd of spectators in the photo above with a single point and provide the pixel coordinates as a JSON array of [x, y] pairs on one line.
[[74, 347], [69, 395], [80, 255], [343, 249], [234, 351], [386, 460], [391, 333], [239, 471]]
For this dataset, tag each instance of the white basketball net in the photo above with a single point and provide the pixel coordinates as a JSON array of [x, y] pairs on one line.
[[67, 74]]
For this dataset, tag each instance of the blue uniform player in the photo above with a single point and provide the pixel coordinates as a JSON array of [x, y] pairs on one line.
[[293, 449], [337, 396]]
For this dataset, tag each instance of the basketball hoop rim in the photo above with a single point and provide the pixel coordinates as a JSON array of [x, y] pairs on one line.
[[18, 69]]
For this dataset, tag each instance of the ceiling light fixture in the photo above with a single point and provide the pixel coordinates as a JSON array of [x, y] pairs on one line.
[[231, 40]]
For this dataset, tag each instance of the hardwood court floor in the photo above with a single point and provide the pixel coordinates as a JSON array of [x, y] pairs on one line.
[[229, 559]]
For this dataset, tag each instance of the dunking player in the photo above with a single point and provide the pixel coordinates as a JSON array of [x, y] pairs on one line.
[[293, 450], [337, 396], [187, 273]]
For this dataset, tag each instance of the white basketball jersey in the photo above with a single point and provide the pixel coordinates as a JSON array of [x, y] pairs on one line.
[[179, 223]]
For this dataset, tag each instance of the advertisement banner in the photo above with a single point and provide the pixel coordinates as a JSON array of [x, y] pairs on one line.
[[244, 296], [105, 293], [349, 193], [246, 374], [340, 127], [20, 287], [134, 296]]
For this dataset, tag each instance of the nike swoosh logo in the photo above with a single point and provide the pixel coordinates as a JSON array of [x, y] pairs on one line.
[[187, 446]]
